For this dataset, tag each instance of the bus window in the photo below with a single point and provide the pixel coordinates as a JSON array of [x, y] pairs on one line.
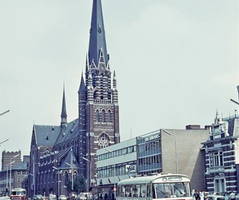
[[143, 191], [135, 190], [122, 191], [127, 191], [167, 190], [148, 191]]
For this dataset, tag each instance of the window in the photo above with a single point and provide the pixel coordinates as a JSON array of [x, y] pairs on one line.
[[216, 159], [220, 185], [109, 115], [103, 116], [97, 116]]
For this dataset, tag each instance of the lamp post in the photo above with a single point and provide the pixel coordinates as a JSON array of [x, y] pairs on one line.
[[11, 170], [88, 182], [10, 179], [58, 181], [71, 166], [114, 171], [176, 149]]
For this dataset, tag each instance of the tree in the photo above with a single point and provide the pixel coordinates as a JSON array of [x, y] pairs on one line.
[[79, 184]]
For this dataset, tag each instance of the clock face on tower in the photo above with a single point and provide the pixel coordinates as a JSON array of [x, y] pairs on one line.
[[103, 140]]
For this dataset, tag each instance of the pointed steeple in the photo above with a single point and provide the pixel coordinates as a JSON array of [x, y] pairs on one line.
[[63, 110], [82, 84], [97, 34]]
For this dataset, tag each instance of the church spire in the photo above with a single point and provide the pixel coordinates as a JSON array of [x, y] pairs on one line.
[[63, 110], [97, 34], [82, 84]]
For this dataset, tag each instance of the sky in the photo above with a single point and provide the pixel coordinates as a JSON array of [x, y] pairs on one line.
[[176, 62]]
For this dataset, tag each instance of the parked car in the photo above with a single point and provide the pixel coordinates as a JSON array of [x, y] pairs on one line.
[[215, 196], [38, 197], [85, 195], [62, 197]]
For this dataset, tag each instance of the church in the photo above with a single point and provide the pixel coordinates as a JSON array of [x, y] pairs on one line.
[[61, 153]]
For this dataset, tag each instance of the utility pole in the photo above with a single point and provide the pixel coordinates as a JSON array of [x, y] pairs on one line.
[[11, 162]]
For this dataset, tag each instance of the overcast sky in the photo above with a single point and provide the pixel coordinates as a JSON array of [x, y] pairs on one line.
[[176, 62]]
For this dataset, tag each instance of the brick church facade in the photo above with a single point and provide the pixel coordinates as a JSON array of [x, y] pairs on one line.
[[60, 153]]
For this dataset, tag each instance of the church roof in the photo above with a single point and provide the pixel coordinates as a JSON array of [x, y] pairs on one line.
[[70, 161], [97, 34], [68, 132], [46, 135]]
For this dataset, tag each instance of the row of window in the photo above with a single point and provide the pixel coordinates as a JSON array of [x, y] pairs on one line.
[[132, 190], [117, 153], [103, 117], [113, 171], [150, 160]]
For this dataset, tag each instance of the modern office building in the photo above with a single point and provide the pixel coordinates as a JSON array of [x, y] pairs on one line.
[[164, 150], [222, 156], [115, 163]]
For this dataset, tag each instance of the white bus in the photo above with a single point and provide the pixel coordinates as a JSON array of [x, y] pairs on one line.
[[161, 186]]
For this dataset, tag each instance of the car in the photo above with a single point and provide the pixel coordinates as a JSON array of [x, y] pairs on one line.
[[85, 195], [62, 197], [215, 196], [38, 197]]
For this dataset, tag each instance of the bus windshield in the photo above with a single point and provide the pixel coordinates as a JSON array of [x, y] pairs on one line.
[[170, 190], [19, 193]]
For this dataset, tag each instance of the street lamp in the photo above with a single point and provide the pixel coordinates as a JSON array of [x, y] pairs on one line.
[[4, 112], [3, 141], [58, 181], [238, 97], [11, 175], [11, 170], [114, 171], [176, 149], [88, 182]]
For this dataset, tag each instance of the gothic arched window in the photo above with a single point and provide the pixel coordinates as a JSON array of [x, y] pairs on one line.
[[97, 116], [103, 140], [109, 116], [103, 116]]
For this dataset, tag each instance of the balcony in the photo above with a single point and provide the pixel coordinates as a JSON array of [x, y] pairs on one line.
[[215, 170]]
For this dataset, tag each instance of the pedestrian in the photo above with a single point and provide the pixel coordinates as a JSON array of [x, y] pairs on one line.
[[193, 194], [100, 196], [106, 196], [232, 196]]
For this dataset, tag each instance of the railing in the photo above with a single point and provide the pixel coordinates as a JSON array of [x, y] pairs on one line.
[[102, 101], [216, 169]]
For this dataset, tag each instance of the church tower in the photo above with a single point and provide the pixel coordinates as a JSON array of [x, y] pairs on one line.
[[98, 99]]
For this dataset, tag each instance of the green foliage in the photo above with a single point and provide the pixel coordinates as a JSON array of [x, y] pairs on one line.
[[79, 184]]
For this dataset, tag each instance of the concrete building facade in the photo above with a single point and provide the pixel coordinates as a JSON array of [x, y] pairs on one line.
[[164, 150]]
